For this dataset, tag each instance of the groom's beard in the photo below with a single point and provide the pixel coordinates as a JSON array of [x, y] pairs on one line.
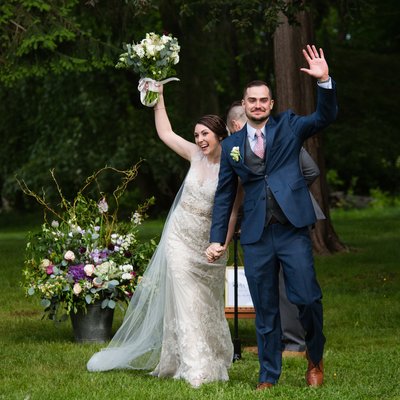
[[261, 118]]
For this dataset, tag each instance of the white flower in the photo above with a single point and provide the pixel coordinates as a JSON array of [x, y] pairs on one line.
[[55, 224], [138, 49], [126, 268], [175, 59], [69, 255], [77, 288], [45, 263], [89, 269], [150, 50], [136, 218], [127, 276], [165, 39], [235, 153], [103, 206]]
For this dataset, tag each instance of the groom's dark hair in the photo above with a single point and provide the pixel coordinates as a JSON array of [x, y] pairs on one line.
[[215, 124], [257, 83]]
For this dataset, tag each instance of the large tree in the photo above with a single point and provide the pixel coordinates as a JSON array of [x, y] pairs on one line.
[[296, 90]]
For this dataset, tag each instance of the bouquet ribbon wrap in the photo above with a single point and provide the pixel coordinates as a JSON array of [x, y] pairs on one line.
[[148, 89]]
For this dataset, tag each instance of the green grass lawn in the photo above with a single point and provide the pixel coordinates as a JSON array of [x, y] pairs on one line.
[[39, 360]]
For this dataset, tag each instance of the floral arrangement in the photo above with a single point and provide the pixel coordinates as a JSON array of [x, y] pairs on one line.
[[84, 254], [154, 59]]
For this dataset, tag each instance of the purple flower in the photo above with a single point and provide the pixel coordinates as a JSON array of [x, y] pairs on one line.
[[82, 250], [104, 254], [98, 256], [77, 272]]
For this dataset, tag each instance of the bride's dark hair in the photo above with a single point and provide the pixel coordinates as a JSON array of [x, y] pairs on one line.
[[216, 124]]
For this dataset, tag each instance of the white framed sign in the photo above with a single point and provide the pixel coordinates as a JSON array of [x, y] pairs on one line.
[[244, 298]]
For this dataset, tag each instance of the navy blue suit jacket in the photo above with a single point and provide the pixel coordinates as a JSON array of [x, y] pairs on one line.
[[285, 135]]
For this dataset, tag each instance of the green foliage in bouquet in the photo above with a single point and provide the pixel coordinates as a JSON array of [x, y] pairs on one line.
[[85, 254]]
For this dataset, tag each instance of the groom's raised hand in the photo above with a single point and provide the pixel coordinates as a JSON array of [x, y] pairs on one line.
[[317, 65]]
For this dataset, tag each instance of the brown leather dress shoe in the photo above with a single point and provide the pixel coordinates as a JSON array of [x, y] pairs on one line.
[[315, 373], [264, 385]]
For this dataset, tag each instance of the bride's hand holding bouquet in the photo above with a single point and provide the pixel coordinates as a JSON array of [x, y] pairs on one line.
[[154, 59]]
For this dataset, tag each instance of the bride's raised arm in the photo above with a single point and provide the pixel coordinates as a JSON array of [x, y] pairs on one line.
[[175, 142]]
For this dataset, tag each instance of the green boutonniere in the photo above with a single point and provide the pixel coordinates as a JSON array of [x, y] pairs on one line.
[[235, 154]]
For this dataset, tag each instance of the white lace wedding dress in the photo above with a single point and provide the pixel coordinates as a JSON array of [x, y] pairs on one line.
[[176, 321]]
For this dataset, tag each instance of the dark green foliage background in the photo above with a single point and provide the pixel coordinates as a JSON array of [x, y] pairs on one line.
[[63, 105]]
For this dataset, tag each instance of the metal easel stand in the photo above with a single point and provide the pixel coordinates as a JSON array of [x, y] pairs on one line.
[[237, 348]]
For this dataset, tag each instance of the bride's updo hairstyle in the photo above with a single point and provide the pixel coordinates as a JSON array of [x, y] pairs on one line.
[[215, 124]]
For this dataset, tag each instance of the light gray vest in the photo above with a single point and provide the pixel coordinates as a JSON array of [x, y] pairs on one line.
[[257, 165]]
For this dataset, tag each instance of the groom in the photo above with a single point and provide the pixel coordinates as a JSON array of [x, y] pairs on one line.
[[277, 211]]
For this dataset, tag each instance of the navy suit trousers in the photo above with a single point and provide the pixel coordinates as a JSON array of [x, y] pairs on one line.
[[292, 248]]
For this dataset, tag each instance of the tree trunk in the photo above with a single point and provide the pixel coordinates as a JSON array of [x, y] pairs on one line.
[[296, 90]]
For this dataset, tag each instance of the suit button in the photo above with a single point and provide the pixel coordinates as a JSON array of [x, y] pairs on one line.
[[266, 176]]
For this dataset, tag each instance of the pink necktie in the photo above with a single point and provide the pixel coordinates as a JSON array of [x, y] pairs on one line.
[[259, 147]]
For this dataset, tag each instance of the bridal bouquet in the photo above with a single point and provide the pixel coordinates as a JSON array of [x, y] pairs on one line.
[[154, 59], [84, 254]]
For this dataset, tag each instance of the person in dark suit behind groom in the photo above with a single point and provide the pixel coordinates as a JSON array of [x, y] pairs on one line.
[[293, 337], [277, 211]]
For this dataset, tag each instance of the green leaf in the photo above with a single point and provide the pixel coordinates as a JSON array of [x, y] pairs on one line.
[[45, 303], [104, 303], [113, 283], [111, 304]]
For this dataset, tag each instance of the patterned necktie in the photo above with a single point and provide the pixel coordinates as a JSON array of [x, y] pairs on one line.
[[259, 147]]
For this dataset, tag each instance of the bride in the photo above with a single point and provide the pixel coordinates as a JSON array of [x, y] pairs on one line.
[[175, 324]]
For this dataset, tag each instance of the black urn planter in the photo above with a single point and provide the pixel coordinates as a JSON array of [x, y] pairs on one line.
[[93, 325]]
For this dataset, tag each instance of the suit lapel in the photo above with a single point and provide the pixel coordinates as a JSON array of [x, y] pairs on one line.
[[270, 131]]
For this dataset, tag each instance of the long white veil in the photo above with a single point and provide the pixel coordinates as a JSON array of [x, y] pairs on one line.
[[137, 343]]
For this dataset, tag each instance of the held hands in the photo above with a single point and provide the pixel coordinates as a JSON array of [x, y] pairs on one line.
[[214, 252], [318, 67]]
